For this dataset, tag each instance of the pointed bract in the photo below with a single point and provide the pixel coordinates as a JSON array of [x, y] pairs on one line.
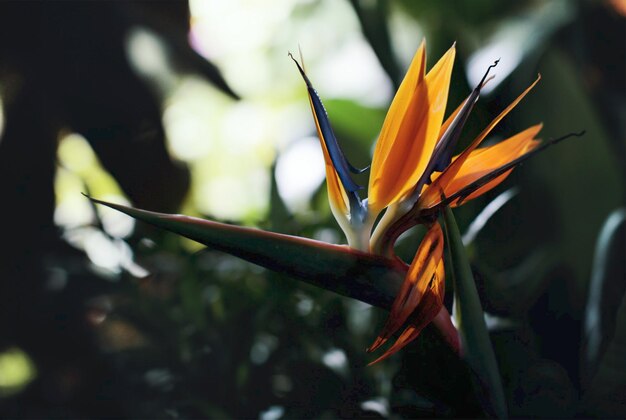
[[339, 268]]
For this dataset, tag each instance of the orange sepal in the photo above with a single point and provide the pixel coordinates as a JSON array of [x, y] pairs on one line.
[[399, 106], [425, 275], [409, 136], [432, 194], [429, 307], [485, 160]]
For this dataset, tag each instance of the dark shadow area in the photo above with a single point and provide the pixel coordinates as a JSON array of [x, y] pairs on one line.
[[64, 67]]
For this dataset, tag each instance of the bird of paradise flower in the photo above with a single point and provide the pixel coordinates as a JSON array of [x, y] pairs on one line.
[[413, 177]]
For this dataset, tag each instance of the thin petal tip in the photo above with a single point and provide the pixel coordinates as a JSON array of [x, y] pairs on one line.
[[376, 344], [382, 357], [300, 68]]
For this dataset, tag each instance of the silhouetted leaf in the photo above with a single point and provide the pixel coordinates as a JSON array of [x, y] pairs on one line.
[[606, 291], [606, 396], [514, 291], [374, 24]]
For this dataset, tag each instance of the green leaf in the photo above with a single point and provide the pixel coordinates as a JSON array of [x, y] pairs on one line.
[[604, 368], [355, 120], [373, 16], [513, 292], [368, 278], [605, 292], [279, 217], [606, 397], [483, 217], [475, 341]]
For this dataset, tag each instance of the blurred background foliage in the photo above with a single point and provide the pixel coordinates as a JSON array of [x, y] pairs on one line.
[[124, 100]]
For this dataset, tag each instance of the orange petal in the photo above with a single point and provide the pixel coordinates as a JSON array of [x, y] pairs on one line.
[[423, 273], [484, 160], [409, 135], [480, 191], [429, 308], [432, 194]]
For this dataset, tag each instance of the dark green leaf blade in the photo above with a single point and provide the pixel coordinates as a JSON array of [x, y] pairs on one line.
[[606, 288], [604, 366], [606, 396], [476, 344]]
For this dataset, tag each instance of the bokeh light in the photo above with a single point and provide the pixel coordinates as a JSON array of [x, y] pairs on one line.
[[16, 371]]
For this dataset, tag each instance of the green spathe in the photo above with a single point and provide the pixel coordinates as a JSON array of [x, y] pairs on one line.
[[339, 268]]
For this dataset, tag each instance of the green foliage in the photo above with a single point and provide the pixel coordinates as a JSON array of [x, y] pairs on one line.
[[477, 349], [207, 335], [605, 324]]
